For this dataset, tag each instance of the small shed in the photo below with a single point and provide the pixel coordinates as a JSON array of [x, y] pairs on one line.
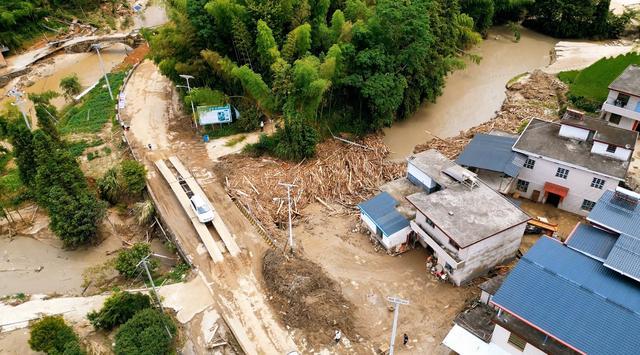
[[490, 287], [384, 221]]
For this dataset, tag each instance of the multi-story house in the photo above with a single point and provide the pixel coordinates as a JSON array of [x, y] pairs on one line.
[[622, 108], [469, 227], [571, 163]]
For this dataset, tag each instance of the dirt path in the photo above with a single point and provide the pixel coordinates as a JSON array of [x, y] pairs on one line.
[[233, 284]]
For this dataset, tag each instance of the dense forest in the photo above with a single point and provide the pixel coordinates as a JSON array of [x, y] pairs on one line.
[[346, 65]]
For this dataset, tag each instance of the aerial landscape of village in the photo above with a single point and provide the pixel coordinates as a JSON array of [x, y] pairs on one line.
[[319, 177]]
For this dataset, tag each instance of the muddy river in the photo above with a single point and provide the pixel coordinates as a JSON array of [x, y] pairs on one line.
[[472, 95]]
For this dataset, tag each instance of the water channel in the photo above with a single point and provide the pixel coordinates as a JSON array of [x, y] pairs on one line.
[[472, 95]]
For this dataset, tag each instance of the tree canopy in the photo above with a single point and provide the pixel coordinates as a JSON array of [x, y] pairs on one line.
[[317, 63]]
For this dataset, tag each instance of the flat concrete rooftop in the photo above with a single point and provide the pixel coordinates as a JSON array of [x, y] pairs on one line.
[[605, 132], [628, 82], [467, 215], [542, 138]]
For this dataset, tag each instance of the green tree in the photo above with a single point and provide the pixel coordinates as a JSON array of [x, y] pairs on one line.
[[118, 309], [128, 259], [109, 186], [482, 12], [145, 334], [23, 151], [52, 335], [45, 121], [298, 42], [75, 219], [267, 48], [297, 140], [133, 176], [70, 86]]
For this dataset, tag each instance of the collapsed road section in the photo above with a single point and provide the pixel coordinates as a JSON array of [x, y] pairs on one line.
[[196, 204]]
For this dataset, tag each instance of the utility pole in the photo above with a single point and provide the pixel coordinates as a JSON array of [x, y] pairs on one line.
[[193, 110], [289, 186], [20, 104], [97, 48], [396, 307], [145, 263]]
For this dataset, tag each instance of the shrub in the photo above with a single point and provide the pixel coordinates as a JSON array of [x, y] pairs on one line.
[[53, 336], [128, 259], [133, 176], [109, 186], [145, 333], [118, 309]]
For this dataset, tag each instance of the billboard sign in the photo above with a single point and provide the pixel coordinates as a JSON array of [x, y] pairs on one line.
[[214, 114]]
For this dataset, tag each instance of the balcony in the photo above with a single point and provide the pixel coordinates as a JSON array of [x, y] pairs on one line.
[[451, 258], [623, 110]]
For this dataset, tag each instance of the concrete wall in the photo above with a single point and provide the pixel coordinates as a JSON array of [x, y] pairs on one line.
[[578, 182], [500, 337], [625, 122], [436, 233], [481, 257], [368, 222], [574, 132], [620, 153]]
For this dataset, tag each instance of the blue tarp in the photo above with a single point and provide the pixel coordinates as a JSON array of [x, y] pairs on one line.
[[575, 299], [492, 152], [382, 211]]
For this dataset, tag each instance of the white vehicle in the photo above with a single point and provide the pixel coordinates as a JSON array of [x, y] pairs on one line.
[[202, 209]]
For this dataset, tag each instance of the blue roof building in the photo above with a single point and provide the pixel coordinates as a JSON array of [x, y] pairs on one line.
[[380, 215], [559, 297], [592, 241], [492, 152], [617, 212]]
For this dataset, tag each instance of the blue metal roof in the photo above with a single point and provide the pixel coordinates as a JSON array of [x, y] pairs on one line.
[[575, 299], [592, 241], [619, 217], [382, 211], [625, 256], [492, 152]]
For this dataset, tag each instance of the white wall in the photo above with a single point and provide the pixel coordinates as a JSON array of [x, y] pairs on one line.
[[578, 182], [625, 122], [388, 242], [368, 222], [574, 132], [628, 112], [500, 337], [620, 153], [436, 233], [422, 177]]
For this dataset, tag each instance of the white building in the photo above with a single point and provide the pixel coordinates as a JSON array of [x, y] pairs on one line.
[[571, 163], [469, 227], [622, 108]]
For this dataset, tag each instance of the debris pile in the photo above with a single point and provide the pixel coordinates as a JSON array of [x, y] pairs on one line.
[[306, 297], [537, 95], [339, 177]]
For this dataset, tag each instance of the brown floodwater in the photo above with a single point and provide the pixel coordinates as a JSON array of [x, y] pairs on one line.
[[472, 95]]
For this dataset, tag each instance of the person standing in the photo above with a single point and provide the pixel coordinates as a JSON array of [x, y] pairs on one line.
[[338, 336], [261, 125], [405, 339]]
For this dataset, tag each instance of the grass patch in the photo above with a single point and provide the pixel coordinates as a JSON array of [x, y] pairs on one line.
[[588, 88], [78, 147], [95, 110], [222, 130], [10, 182], [515, 79], [235, 140]]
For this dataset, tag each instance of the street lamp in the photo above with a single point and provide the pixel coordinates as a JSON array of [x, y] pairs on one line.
[[18, 96], [97, 47], [397, 301], [289, 186], [193, 110]]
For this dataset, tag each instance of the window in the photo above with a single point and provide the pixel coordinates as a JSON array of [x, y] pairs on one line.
[[529, 163], [615, 118], [611, 148], [588, 205], [597, 183], [622, 100], [517, 341], [522, 185], [562, 173], [429, 222]]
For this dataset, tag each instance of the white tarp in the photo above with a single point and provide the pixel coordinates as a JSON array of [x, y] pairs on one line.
[[464, 343], [214, 114]]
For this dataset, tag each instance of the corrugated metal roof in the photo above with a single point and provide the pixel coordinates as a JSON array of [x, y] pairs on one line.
[[592, 241], [575, 299], [625, 256], [492, 152], [615, 216], [382, 210]]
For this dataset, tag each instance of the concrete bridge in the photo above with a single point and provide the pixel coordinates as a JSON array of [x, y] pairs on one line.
[[20, 64]]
